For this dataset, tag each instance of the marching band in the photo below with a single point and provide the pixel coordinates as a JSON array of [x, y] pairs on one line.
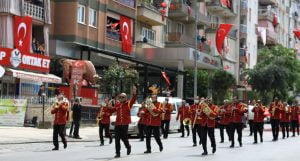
[[203, 117]]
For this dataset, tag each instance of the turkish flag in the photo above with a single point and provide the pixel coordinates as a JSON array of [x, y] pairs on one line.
[[297, 33], [22, 33], [125, 30], [275, 20], [166, 78], [220, 36]]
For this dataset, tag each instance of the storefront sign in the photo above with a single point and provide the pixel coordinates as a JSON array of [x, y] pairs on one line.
[[12, 112], [24, 60], [211, 61]]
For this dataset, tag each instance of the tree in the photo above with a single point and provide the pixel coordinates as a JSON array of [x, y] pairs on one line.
[[220, 82], [202, 84]]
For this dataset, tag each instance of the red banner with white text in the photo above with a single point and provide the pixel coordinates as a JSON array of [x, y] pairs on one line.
[[22, 33], [125, 30], [220, 36]]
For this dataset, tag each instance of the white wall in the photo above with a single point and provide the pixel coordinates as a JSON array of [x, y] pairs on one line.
[[252, 21]]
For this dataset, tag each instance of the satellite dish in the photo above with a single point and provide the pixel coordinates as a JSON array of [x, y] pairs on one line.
[[2, 71]]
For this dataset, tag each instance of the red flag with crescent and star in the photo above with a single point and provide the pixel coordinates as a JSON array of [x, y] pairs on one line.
[[297, 33], [23, 31], [125, 30], [220, 36], [166, 78]]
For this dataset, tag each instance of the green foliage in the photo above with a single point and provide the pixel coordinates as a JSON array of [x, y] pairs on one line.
[[220, 82], [202, 83]]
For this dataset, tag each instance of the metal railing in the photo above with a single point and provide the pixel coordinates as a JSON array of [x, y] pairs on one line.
[[151, 42], [130, 3], [149, 5], [265, 13], [32, 100], [243, 28], [183, 8], [34, 11]]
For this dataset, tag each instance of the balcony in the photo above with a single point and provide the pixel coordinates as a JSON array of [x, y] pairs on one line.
[[181, 12], [268, 2], [243, 31], [123, 7], [213, 23], [265, 14], [219, 9], [244, 8], [243, 56], [232, 34], [271, 37], [35, 11], [176, 39], [149, 14], [129, 3], [202, 20], [148, 43]]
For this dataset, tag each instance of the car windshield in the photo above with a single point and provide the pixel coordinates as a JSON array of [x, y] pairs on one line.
[[134, 110]]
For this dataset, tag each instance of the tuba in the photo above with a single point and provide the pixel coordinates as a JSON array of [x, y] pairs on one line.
[[149, 106], [187, 122]]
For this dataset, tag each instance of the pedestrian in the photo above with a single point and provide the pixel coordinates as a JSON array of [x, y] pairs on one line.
[[224, 114], [184, 114], [258, 120], [76, 116], [237, 112], [144, 116], [59, 110], [285, 120], [123, 119], [167, 109], [251, 116], [154, 109], [274, 109], [194, 112], [295, 117], [103, 119]]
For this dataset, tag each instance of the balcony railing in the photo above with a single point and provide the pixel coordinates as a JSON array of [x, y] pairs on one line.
[[130, 3], [149, 5], [151, 42], [220, 9], [265, 14], [34, 11], [244, 4], [180, 9], [175, 37], [243, 28]]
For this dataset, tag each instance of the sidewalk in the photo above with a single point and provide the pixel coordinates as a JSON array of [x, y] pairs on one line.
[[23, 135]]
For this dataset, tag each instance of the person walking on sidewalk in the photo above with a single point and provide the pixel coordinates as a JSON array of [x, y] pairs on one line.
[[59, 111], [76, 117]]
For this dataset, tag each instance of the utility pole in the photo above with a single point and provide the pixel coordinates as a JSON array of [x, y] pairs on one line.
[[196, 57]]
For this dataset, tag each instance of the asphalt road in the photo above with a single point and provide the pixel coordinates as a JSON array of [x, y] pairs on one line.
[[175, 149]]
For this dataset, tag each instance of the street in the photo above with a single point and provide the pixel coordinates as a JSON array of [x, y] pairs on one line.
[[175, 149]]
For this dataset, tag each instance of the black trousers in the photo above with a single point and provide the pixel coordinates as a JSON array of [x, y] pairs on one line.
[[155, 131], [76, 128], [142, 129], [211, 134], [182, 129], [196, 130], [295, 124], [105, 128], [236, 127], [71, 129], [275, 128], [58, 130], [284, 129], [165, 125], [258, 127], [227, 128], [251, 126], [121, 134]]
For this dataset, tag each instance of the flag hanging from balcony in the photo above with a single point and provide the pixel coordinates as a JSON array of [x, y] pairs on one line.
[[166, 78], [22, 33], [263, 34], [220, 36], [297, 33], [125, 30]]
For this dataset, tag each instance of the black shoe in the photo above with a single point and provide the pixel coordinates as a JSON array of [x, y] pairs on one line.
[[147, 152], [77, 137], [55, 149], [293, 135], [110, 140], [102, 144], [194, 144], [204, 153], [161, 148], [231, 146], [255, 142], [200, 143], [241, 144], [182, 136], [65, 145], [141, 139], [129, 150], [222, 141], [214, 150], [273, 139], [117, 156]]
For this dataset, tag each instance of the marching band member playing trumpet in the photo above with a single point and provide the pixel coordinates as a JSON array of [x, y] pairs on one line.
[[123, 119], [144, 116], [295, 117], [184, 114], [237, 112], [224, 114], [275, 117], [208, 115], [195, 117], [285, 119], [166, 117], [154, 122], [103, 119], [258, 120]]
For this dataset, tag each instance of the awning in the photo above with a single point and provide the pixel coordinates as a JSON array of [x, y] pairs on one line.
[[49, 78]]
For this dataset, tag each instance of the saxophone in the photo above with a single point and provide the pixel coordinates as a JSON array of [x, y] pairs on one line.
[[99, 116]]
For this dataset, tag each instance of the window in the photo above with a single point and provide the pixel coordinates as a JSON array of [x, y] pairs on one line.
[[81, 14], [149, 34], [113, 28], [180, 28], [92, 17]]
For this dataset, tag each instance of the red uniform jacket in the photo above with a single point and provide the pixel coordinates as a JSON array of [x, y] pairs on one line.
[[193, 109], [144, 116], [277, 107], [60, 114], [183, 113], [225, 115], [209, 120], [123, 111], [238, 113], [105, 118], [295, 112], [168, 111], [155, 120], [258, 114], [284, 115]]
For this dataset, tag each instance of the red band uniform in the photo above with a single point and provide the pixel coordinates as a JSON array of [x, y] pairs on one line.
[[183, 113], [224, 123], [258, 121], [275, 118], [166, 118], [104, 122], [236, 123]]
